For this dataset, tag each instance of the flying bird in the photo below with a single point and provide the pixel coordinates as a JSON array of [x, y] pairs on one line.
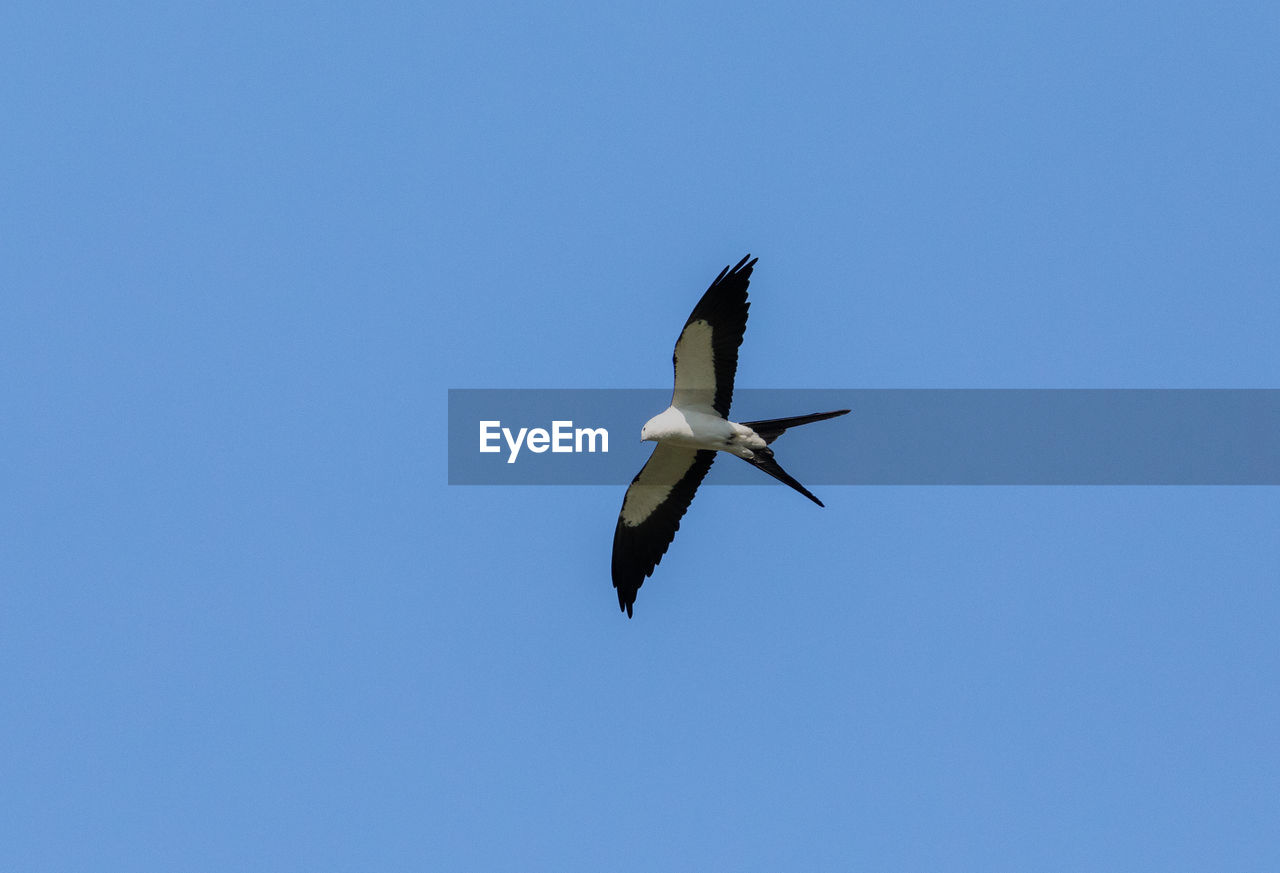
[[692, 430]]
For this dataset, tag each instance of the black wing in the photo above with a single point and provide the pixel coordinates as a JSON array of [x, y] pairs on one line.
[[706, 355], [651, 512]]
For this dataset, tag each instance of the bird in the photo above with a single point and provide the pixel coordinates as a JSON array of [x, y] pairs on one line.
[[692, 430]]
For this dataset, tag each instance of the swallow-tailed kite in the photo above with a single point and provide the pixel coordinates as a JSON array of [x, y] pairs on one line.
[[692, 430]]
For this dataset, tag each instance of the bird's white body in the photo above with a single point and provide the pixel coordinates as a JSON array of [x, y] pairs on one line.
[[694, 428]]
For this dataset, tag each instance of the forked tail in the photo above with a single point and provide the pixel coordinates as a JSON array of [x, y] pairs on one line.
[[772, 428]]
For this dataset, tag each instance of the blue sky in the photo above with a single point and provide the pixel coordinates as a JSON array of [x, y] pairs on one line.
[[245, 624]]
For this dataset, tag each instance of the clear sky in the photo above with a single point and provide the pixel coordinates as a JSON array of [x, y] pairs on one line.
[[245, 249]]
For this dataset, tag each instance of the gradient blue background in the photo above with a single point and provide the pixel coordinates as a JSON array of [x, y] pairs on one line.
[[245, 624]]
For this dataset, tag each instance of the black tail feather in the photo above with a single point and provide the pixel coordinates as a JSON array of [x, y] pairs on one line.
[[764, 460], [772, 428]]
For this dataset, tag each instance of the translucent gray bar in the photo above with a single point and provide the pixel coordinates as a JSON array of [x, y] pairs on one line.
[[901, 437]]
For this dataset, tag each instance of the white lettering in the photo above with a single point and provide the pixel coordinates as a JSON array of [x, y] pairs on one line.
[[541, 437], [515, 446], [560, 436], [591, 433], [487, 433]]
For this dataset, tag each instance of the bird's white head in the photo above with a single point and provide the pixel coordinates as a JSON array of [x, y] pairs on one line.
[[663, 426], [652, 428]]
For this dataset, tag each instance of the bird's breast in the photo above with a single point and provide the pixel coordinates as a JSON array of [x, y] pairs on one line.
[[693, 429]]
